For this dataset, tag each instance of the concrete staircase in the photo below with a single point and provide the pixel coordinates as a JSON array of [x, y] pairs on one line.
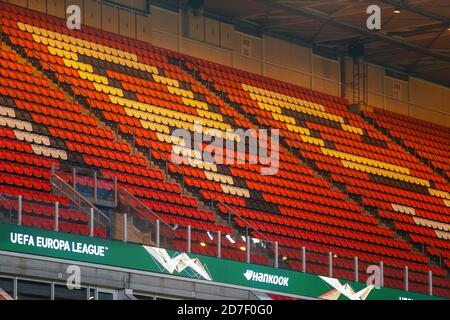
[[411, 151], [305, 162], [136, 234]]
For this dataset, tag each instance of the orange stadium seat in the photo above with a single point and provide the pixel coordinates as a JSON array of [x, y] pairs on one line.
[[339, 174]]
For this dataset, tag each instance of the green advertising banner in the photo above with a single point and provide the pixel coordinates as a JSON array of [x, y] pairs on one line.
[[138, 257]]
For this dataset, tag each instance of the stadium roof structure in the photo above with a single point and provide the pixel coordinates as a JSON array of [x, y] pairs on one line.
[[414, 41]]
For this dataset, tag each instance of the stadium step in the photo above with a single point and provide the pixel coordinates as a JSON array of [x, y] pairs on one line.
[[345, 238], [135, 235], [423, 161], [416, 248], [406, 149], [291, 152]]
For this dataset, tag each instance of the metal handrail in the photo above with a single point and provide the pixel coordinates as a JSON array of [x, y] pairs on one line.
[[140, 203], [248, 224], [90, 108], [9, 204], [83, 172], [57, 178], [2, 198], [62, 186]]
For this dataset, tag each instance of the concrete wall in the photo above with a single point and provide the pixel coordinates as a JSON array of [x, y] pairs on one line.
[[56, 8], [92, 13], [221, 43], [110, 18], [166, 30]]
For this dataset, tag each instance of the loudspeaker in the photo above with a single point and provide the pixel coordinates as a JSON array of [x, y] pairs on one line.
[[356, 50]]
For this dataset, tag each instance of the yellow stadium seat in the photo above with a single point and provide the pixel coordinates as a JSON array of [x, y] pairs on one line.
[[58, 36], [59, 45], [65, 38], [34, 30], [39, 39]]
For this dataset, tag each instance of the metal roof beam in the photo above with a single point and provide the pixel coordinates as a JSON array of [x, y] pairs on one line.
[[375, 35], [418, 10]]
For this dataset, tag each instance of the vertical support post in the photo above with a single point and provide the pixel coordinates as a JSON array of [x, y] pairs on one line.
[[276, 254], [53, 168], [166, 169], [95, 186], [356, 269], [219, 244], [15, 293], [56, 228], [430, 283], [116, 191], [382, 273], [52, 291], [248, 248], [263, 60], [158, 242], [342, 76], [182, 183], [19, 211], [330, 264], [406, 279], [303, 259], [125, 227], [311, 71], [91, 223], [180, 29], [189, 239], [74, 178]]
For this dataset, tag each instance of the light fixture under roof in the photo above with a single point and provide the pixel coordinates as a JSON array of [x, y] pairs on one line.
[[230, 239], [202, 244], [243, 248], [397, 10]]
